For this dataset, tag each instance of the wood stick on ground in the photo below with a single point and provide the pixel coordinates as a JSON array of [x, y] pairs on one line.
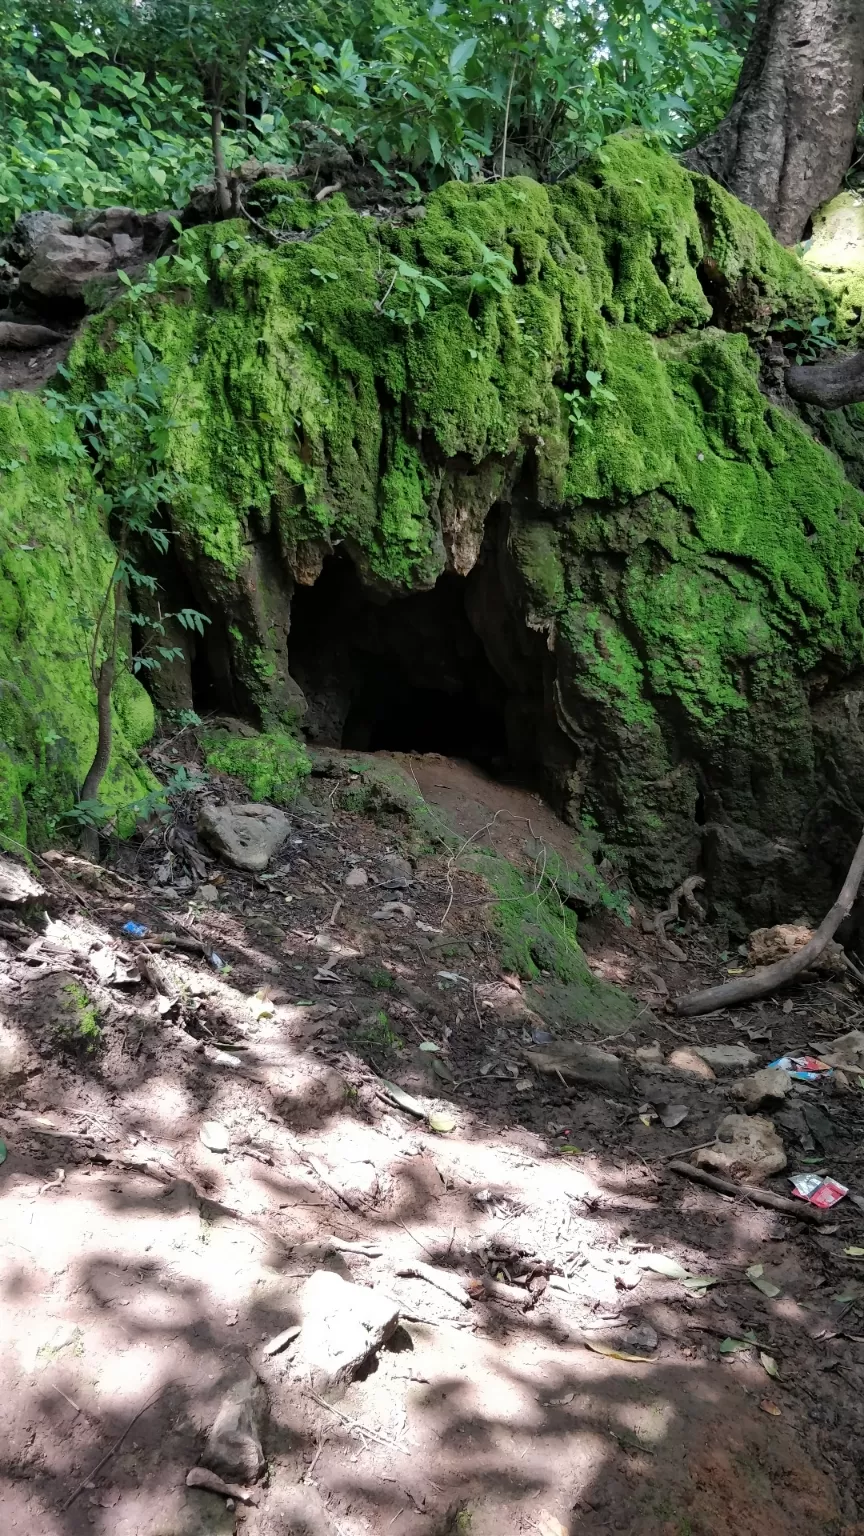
[[108, 1454], [769, 977], [799, 1208], [363, 1429], [446, 1283]]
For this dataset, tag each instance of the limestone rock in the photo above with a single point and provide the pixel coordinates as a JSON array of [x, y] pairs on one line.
[[17, 885], [233, 1448], [581, 1063], [686, 1060], [246, 835], [766, 946], [396, 872], [341, 1326], [725, 1058], [31, 231], [763, 1090], [747, 1148], [62, 264]]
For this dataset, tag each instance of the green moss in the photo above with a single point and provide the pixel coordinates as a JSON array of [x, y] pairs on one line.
[[834, 254], [693, 553], [55, 564], [78, 1028], [272, 766]]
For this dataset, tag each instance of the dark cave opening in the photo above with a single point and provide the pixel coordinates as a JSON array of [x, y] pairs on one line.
[[406, 674]]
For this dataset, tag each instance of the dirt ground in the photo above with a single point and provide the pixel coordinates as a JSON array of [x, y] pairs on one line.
[[139, 1267]]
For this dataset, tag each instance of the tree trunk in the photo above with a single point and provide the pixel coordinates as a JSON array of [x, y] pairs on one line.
[[787, 141], [223, 196], [242, 118]]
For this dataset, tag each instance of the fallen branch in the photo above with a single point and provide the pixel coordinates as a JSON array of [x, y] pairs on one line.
[[91, 1476], [446, 1283], [799, 1208], [768, 978]]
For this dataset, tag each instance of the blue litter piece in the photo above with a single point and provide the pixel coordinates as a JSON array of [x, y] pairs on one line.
[[541, 1036], [135, 930]]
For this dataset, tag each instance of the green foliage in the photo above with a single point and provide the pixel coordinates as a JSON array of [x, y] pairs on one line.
[[272, 766], [56, 564], [109, 102], [377, 1034], [78, 1029]]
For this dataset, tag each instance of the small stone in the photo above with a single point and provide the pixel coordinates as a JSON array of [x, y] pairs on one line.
[[355, 878], [649, 1055], [214, 1136], [342, 1326], [763, 1090], [642, 1339], [685, 1060], [747, 1148], [233, 1449], [725, 1058], [246, 835], [396, 872], [393, 909], [208, 893]]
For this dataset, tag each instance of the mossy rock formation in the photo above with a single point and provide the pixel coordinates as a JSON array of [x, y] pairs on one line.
[[659, 568]]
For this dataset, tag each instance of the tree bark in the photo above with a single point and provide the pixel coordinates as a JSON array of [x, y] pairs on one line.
[[830, 385], [787, 140]]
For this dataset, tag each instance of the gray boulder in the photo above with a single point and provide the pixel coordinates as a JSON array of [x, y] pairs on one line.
[[725, 1058], [233, 1448], [342, 1325], [763, 1090], [31, 231], [62, 264], [246, 835]]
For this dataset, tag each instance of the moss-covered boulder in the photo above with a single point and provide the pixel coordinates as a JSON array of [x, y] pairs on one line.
[[553, 393], [56, 562]]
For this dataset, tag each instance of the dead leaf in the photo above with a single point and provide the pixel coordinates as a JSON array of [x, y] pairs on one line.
[[756, 1276], [214, 1136], [699, 1282], [661, 1264], [615, 1354], [854, 1253], [769, 1364], [403, 1099], [768, 1407]]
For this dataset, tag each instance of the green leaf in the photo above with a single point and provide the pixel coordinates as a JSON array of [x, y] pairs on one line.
[[429, 1045], [732, 1346], [3, 1152], [435, 143], [461, 54]]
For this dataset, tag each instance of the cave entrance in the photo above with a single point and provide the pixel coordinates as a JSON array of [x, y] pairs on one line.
[[407, 674]]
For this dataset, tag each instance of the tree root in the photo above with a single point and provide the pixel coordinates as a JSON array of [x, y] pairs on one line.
[[769, 978]]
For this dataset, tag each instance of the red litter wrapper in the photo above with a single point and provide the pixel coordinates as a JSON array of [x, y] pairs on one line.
[[818, 1191]]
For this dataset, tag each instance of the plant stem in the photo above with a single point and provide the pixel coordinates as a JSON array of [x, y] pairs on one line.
[[223, 197], [503, 171]]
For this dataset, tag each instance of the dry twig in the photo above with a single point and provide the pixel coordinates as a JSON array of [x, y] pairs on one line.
[[800, 1208]]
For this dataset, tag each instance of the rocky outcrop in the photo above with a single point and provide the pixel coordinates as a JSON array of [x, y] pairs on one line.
[[49, 263], [544, 487]]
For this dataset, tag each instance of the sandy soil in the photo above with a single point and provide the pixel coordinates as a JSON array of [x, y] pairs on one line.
[[138, 1267]]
